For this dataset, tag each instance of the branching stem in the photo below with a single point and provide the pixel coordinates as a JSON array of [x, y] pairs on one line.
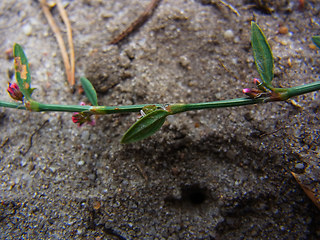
[[172, 108]]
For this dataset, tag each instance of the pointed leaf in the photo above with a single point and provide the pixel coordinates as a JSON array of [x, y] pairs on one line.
[[145, 126], [316, 40], [22, 71], [262, 54], [89, 91]]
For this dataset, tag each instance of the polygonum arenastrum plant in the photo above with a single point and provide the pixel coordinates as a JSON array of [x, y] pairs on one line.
[[154, 115]]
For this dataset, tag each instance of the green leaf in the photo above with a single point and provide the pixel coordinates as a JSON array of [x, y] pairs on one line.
[[89, 91], [145, 126], [22, 71], [316, 40], [262, 55]]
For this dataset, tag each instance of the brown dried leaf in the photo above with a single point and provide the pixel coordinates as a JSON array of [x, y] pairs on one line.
[[307, 191]]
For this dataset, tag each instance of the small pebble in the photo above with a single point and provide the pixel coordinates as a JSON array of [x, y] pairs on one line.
[[284, 42], [184, 62], [228, 34], [96, 205], [81, 163], [236, 39], [27, 29], [283, 30], [299, 166], [23, 162], [53, 169]]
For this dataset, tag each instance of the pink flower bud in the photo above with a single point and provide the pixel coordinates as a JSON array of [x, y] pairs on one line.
[[256, 81], [252, 93], [15, 92], [77, 118], [83, 117]]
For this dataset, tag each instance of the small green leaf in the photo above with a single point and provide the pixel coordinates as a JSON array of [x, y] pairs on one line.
[[145, 126], [262, 54], [316, 40], [22, 71], [89, 91]]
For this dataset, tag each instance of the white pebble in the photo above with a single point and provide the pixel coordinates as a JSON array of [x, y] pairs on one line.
[[81, 163], [185, 62], [228, 34], [27, 29]]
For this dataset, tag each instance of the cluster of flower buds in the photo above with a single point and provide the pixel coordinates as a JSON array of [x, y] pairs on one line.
[[15, 92], [256, 93], [83, 117]]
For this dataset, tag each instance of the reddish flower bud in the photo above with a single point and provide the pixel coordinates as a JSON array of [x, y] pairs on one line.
[[260, 85], [252, 93], [83, 117], [256, 81], [77, 118], [15, 92]]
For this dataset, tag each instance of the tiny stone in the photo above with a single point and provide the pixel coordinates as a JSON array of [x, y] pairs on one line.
[[23, 162], [283, 30], [27, 29], [81, 163], [236, 39], [184, 62], [96, 205], [53, 169], [299, 166], [228, 34], [284, 42]]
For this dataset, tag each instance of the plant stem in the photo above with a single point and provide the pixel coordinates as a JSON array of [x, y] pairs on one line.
[[42, 107], [299, 90], [177, 108], [12, 105], [173, 108]]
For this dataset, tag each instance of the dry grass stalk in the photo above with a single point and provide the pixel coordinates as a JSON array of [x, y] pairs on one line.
[[69, 67], [138, 22], [233, 9], [66, 21]]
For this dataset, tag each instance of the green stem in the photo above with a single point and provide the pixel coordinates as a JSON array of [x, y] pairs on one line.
[[303, 89], [177, 108], [173, 109], [42, 107], [12, 105], [119, 109]]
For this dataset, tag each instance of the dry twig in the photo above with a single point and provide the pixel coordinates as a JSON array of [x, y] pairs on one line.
[[66, 21], [24, 152], [4, 142], [232, 8], [143, 173], [69, 67], [138, 22]]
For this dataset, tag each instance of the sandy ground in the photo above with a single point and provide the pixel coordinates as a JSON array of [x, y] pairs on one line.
[[215, 174]]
